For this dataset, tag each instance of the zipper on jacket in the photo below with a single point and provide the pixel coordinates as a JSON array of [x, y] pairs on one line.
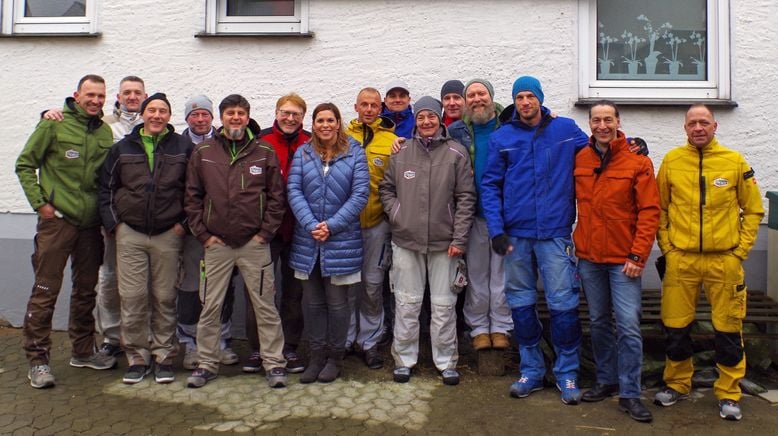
[[702, 197]]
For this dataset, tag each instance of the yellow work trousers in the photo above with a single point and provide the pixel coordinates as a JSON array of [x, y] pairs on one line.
[[721, 276]]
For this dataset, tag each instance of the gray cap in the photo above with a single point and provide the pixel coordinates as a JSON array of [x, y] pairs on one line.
[[428, 103], [197, 102], [394, 84], [486, 84]]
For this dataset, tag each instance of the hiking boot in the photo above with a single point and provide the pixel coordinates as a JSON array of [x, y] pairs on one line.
[[500, 341], [190, 358], [254, 364], [730, 410], [668, 396], [600, 392], [450, 376], [110, 349], [635, 408], [229, 357], [332, 368], [373, 358], [95, 361], [571, 395], [293, 363], [40, 376], [164, 373], [199, 378], [315, 365], [482, 342], [276, 377], [401, 374], [135, 374], [522, 387]]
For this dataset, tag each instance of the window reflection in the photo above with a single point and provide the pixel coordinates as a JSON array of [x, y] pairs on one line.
[[260, 7], [54, 8]]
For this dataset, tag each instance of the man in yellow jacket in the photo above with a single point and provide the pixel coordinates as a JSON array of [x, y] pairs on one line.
[[710, 213], [375, 133]]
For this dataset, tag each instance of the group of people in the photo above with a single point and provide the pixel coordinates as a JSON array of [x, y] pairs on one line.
[[430, 193]]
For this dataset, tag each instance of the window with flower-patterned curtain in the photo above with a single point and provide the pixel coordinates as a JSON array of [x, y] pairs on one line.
[[657, 51]]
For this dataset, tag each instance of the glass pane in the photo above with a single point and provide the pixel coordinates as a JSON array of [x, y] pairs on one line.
[[54, 8], [275, 8], [656, 40]]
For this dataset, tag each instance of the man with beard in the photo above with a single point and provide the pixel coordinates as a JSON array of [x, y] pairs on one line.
[[235, 204], [485, 310], [198, 114], [528, 199], [453, 98], [126, 115]]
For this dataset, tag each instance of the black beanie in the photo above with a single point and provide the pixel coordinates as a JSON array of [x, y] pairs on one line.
[[155, 96], [452, 87]]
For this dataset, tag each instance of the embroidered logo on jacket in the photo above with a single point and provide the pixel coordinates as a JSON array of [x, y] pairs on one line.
[[377, 161], [409, 175], [72, 154], [255, 170], [720, 182]]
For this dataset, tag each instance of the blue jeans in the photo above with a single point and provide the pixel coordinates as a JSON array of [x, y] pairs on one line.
[[554, 259], [619, 355]]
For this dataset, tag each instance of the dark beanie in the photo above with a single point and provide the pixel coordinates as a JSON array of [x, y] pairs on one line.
[[155, 96], [452, 87]]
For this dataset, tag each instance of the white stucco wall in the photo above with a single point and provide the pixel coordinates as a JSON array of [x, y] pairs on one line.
[[367, 43]]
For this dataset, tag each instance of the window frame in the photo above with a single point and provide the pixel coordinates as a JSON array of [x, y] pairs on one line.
[[717, 87], [13, 22], [218, 23]]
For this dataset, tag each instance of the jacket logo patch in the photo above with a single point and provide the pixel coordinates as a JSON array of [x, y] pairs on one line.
[[377, 161], [255, 170], [409, 175], [720, 182], [72, 154]]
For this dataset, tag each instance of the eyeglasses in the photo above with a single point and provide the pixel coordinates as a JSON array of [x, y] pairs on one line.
[[287, 114]]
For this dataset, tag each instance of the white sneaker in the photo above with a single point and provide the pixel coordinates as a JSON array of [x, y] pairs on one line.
[[41, 377], [229, 357]]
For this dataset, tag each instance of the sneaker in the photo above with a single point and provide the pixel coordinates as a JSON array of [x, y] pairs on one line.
[[401, 374], [190, 358], [293, 362], [450, 377], [730, 410], [373, 358], [199, 378], [40, 376], [524, 386], [135, 374], [110, 349], [668, 396], [276, 377], [571, 395], [229, 357], [254, 364], [95, 361], [164, 373]]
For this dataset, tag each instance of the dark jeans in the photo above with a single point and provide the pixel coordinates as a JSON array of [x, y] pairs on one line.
[[55, 241], [326, 311], [291, 300]]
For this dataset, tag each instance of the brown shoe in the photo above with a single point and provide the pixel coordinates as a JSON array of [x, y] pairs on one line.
[[482, 342], [500, 341]]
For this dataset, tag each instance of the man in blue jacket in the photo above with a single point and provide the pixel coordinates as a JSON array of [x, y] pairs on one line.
[[528, 200]]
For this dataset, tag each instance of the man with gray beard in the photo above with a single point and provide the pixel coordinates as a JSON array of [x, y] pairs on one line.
[[485, 310]]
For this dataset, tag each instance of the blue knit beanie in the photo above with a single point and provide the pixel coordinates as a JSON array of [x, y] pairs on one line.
[[528, 83]]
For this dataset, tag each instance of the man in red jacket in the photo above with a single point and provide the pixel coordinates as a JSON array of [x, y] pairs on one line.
[[286, 135], [618, 216]]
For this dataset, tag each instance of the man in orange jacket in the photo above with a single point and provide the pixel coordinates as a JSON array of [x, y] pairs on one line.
[[618, 216]]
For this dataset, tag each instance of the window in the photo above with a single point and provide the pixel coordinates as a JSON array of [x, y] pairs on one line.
[[34, 17], [256, 17], [657, 52]]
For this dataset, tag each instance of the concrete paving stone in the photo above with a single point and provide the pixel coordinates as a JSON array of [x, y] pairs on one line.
[[6, 418], [383, 404], [345, 402], [308, 401], [300, 411], [226, 426], [277, 415], [17, 423], [379, 415], [81, 424], [24, 431], [242, 429], [42, 421], [339, 412]]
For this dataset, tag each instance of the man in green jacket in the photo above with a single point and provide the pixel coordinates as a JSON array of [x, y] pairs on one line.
[[58, 172]]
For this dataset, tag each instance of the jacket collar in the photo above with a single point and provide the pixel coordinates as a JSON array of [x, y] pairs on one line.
[[92, 122]]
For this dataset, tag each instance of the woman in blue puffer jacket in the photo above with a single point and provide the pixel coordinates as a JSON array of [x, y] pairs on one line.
[[327, 188]]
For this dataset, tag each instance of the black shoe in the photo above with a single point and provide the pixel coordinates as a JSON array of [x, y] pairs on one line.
[[110, 349], [600, 392], [293, 363], [373, 358], [636, 409]]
